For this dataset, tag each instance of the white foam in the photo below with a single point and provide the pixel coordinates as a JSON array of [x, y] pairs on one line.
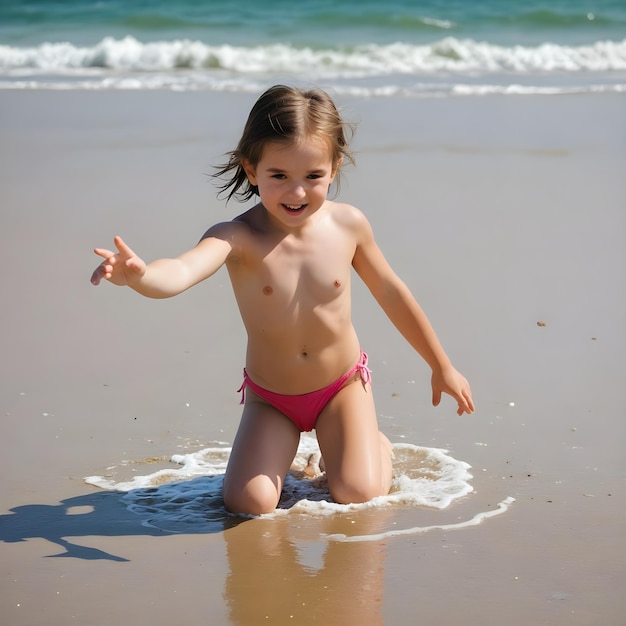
[[477, 519], [188, 498], [422, 477], [448, 55], [448, 67], [533, 90], [206, 462], [193, 82]]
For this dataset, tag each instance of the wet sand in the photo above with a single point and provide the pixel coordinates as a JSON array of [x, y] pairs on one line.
[[505, 215]]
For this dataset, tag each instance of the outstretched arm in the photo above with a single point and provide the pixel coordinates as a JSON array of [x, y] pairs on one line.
[[163, 278], [407, 316]]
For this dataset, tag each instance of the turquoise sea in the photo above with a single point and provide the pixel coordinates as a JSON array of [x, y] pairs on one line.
[[367, 47]]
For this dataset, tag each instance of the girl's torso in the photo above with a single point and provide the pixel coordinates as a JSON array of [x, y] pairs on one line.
[[293, 292]]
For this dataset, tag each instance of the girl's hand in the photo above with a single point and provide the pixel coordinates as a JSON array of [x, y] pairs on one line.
[[454, 384], [121, 268]]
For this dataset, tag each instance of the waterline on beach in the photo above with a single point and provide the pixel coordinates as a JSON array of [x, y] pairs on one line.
[[427, 477]]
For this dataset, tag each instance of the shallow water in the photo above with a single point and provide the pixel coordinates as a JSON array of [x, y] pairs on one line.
[[358, 48], [187, 498]]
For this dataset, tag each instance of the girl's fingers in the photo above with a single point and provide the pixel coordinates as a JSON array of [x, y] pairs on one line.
[[133, 264], [436, 397], [465, 403], [103, 252], [122, 247], [102, 271]]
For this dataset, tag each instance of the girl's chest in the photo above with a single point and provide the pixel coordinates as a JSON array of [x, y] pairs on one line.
[[310, 273]]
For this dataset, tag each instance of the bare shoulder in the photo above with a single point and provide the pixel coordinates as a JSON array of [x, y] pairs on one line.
[[225, 230], [238, 233], [351, 218], [368, 260]]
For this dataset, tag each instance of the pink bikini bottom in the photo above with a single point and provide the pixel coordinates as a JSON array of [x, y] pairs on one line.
[[304, 409]]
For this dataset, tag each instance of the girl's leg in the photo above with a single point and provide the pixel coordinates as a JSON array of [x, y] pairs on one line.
[[356, 454], [263, 451]]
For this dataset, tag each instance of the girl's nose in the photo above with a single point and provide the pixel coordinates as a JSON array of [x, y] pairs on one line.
[[297, 191]]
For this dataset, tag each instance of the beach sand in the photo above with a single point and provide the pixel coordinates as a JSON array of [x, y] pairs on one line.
[[505, 216]]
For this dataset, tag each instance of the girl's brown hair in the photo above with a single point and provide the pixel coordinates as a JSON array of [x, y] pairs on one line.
[[283, 114]]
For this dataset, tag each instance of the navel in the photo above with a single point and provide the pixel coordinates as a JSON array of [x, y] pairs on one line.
[[267, 290]]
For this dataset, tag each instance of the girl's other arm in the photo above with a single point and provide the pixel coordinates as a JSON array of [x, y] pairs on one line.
[[402, 309], [164, 278]]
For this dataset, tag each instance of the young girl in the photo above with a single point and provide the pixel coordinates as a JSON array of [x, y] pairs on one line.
[[290, 259]]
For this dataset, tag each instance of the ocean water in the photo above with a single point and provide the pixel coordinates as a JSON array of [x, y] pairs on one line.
[[361, 47], [186, 497]]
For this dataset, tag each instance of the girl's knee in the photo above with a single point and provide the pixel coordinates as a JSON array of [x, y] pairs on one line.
[[356, 492], [255, 498], [363, 483]]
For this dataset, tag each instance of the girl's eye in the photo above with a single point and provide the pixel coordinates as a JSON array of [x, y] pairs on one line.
[[279, 176]]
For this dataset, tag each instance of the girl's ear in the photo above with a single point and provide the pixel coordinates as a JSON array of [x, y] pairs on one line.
[[337, 166], [250, 171]]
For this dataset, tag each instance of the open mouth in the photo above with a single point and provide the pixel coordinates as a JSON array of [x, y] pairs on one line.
[[294, 208]]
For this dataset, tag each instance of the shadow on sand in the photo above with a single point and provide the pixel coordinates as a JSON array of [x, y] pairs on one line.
[[116, 514]]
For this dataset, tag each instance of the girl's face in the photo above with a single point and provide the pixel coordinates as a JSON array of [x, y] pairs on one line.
[[293, 179]]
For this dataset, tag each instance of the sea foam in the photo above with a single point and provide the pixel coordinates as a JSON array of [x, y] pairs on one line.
[[448, 67], [449, 54], [422, 476], [188, 498]]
